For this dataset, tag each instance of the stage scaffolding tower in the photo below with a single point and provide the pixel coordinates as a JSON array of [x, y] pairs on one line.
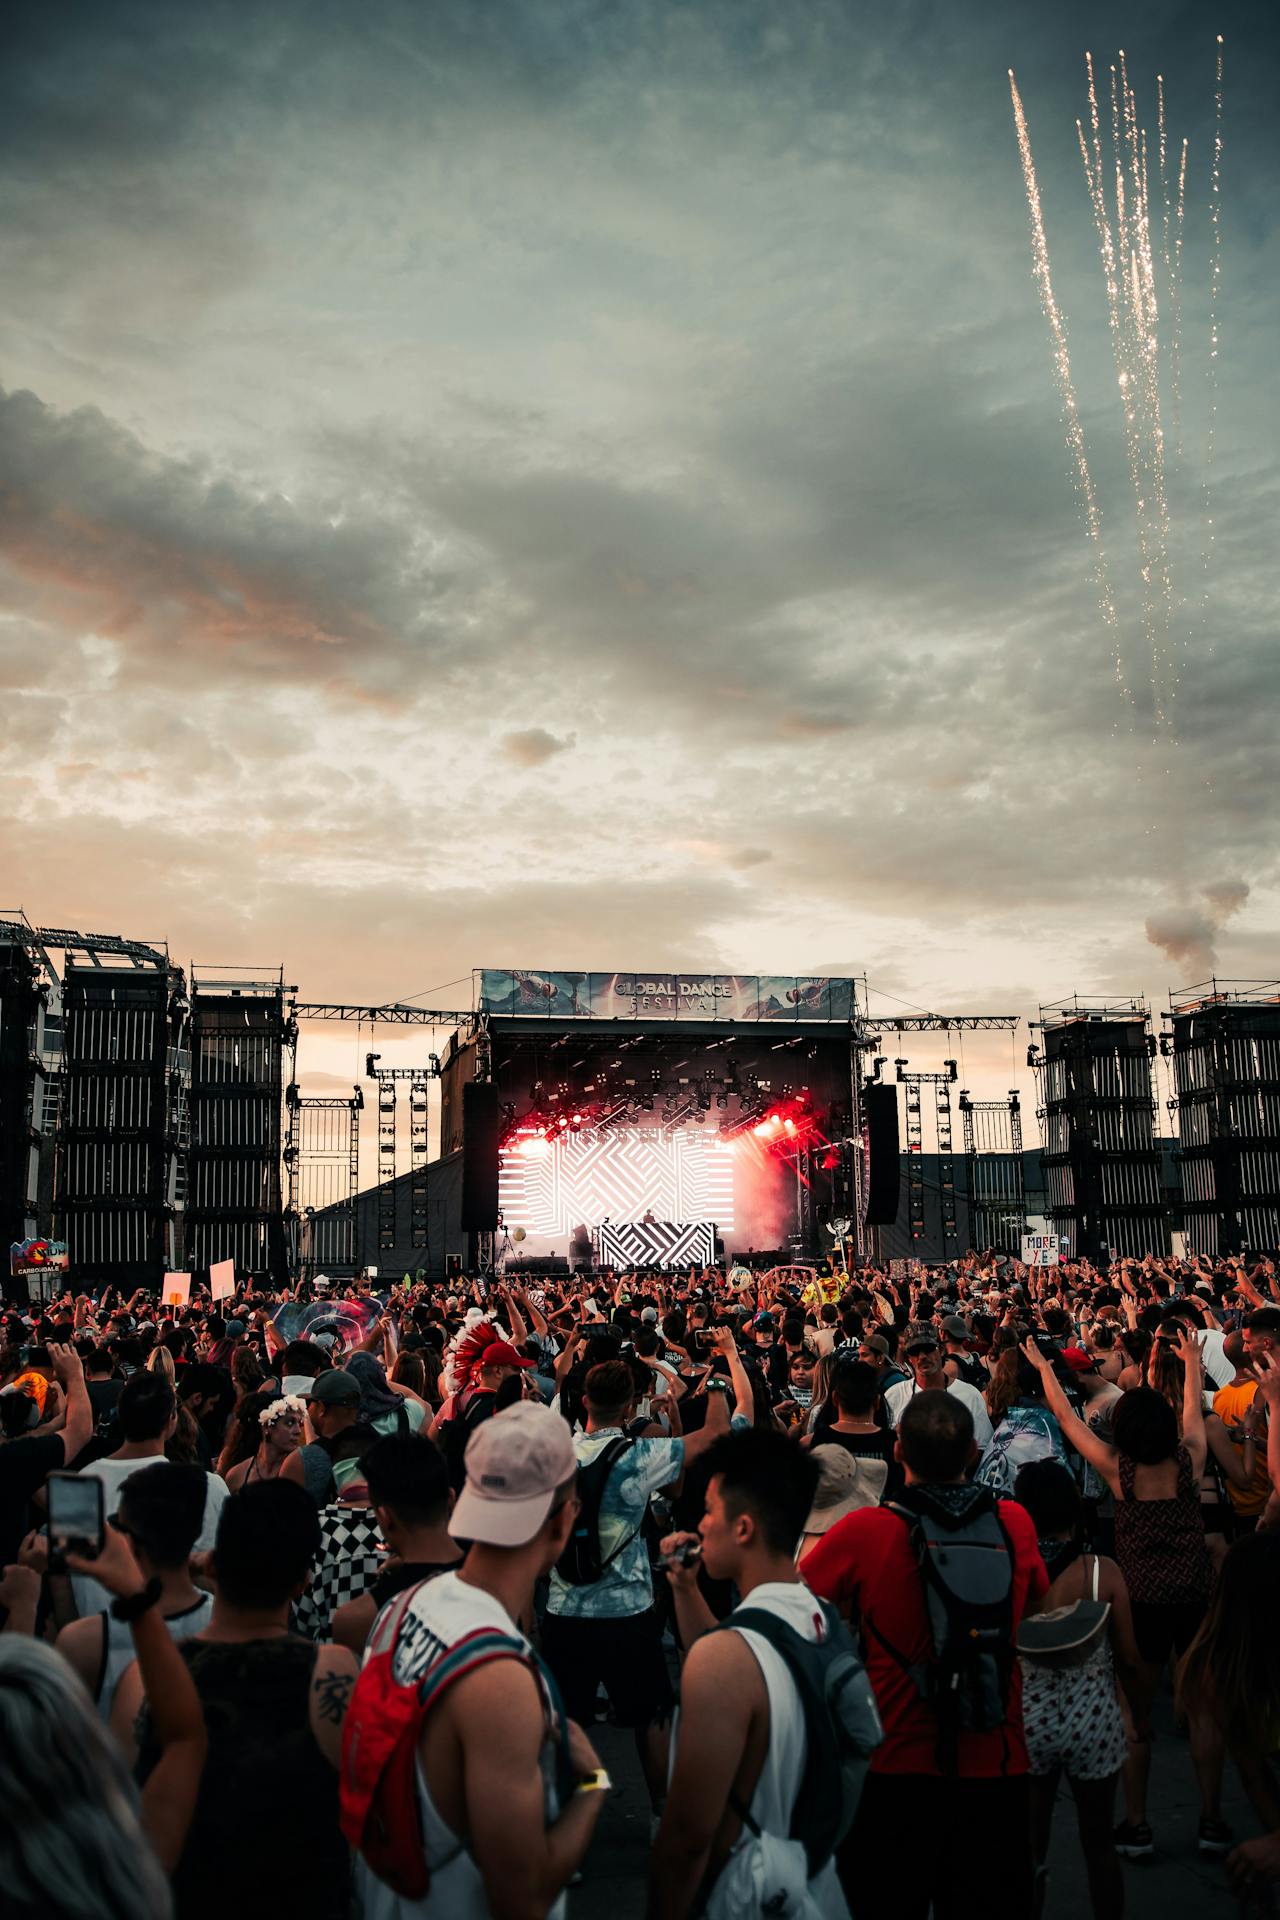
[[125, 1061], [419, 1079], [941, 1084], [324, 1180], [1226, 1067], [1102, 1166], [418, 1159], [946, 1158], [23, 995], [996, 1176], [240, 1034]]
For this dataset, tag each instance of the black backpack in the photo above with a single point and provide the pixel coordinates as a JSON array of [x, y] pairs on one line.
[[454, 1434], [841, 1727], [966, 1563], [581, 1564]]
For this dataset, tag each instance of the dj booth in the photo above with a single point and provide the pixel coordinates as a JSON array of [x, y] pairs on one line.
[[656, 1243]]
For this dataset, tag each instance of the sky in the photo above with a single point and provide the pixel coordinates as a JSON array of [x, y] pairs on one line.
[[581, 485]]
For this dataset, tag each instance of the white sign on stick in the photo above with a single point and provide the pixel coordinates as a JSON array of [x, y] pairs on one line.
[[222, 1279], [176, 1291]]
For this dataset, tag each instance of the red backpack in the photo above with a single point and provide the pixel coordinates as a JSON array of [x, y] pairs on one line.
[[377, 1789]]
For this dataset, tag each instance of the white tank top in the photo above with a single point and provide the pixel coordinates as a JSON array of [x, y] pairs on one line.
[[780, 1777], [442, 1611], [119, 1652]]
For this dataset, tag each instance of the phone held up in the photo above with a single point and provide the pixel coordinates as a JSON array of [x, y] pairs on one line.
[[76, 1521]]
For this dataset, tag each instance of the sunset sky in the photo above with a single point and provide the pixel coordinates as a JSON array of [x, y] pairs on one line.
[[581, 485]]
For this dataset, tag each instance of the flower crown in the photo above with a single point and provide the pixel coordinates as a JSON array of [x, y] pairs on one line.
[[287, 1403]]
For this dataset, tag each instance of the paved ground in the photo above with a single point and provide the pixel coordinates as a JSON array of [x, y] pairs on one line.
[[1179, 1884]]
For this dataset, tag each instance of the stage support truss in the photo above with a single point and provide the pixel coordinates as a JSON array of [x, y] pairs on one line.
[[996, 1175], [941, 1084], [388, 1079]]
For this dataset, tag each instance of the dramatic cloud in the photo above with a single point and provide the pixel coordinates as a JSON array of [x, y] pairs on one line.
[[532, 746], [568, 485]]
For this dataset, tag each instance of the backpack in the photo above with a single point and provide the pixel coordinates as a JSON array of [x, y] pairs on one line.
[[456, 1432], [581, 1563], [841, 1727], [377, 1782], [966, 1563], [1026, 1434]]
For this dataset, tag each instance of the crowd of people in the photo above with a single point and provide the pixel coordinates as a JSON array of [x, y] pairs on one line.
[[866, 1564]]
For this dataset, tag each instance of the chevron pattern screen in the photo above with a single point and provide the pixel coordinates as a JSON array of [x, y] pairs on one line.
[[658, 1243], [586, 1178]]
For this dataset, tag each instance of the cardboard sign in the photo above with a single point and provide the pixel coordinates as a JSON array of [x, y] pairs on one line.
[[222, 1279], [176, 1291], [1040, 1250]]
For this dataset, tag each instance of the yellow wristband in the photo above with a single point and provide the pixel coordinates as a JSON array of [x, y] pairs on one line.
[[597, 1782]]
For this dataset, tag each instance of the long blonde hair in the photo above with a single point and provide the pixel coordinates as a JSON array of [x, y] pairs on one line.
[[92, 1856]]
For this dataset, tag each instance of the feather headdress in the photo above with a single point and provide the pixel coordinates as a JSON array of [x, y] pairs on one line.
[[463, 1354]]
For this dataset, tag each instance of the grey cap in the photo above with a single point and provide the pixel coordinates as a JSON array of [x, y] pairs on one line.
[[335, 1389]]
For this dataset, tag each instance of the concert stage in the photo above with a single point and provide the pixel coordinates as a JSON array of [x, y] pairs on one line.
[[654, 1121]]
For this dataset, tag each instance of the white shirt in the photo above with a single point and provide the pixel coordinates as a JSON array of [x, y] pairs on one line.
[[1216, 1364], [91, 1596], [897, 1397]]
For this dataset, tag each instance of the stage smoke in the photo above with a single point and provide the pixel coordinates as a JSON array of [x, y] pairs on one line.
[[1186, 934]]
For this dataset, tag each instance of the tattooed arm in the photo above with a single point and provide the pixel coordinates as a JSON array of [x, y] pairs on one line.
[[332, 1679]]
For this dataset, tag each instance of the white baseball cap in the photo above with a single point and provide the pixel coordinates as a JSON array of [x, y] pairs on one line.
[[516, 1461]]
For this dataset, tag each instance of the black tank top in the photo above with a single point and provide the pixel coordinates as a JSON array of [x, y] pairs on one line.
[[265, 1829]]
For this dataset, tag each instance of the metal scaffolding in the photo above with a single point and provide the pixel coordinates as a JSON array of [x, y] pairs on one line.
[[419, 1079], [1102, 1167], [115, 1182], [941, 1084], [325, 1180], [235, 1205], [996, 1175], [1226, 1064]]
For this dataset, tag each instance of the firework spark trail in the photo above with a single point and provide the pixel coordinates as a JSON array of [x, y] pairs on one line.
[[1066, 387], [1215, 278], [1114, 277], [1165, 665], [1172, 264], [1134, 364], [1117, 148], [1144, 386]]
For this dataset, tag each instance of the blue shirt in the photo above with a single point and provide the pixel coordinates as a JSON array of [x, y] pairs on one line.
[[626, 1586]]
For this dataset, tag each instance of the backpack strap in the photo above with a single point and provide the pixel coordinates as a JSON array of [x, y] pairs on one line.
[[590, 1510], [786, 1643], [475, 1649]]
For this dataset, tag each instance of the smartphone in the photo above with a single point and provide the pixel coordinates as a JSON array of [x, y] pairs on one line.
[[76, 1519]]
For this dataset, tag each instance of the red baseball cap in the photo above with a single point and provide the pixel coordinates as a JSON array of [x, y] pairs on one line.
[[1078, 1360], [503, 1354]]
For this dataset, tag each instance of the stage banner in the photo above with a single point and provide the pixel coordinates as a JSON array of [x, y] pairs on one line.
[[665, 996], [38, 1256]]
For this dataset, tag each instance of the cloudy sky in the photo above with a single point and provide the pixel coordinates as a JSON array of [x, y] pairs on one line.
[[581, 485]]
